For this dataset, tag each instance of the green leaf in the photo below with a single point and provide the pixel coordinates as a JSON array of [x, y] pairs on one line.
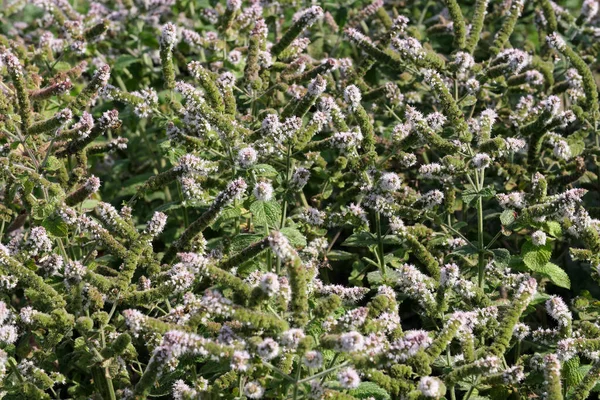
[[576, 144], [507, 217], [266, 213], [468, 101], [90, 204], [536, 257], [487, 192], [340, 255], [360, 239], [501, 256], [264, 170], [53, 164], [556, 275], [125, 61], [466, 250], [62, 66], [469, 195], [241, 241], [553, 228], [368, 390], [173, 205], [55, 226], [391, 276], [366, 239], [296, 238]]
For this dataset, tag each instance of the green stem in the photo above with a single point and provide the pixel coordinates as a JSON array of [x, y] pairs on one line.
[[380, 243], [323, 373], [480, 246]]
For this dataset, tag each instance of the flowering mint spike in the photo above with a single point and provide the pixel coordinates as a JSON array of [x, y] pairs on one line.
[[232, 10], [234, 190], [96, 31], [90, 187], [460, 30], [451, 109], [15, 69], [305, 20], [315, 89], [548, 7], [55, 89], [108, 120], [133, 256], [168, 39], [523, 296], [90, 91], [52, 124], [589, 84], [583, 389], [208, 83], [508, 26], [46, 297], [553, 385], [476, 25], [255, 47]]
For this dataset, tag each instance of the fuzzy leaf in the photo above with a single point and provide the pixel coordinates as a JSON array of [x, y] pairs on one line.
[[468, 101], [55, 226], [241, 241], [53, 164], [556, 275], [266, 213], [371, 390], [536, 257], [340, 255], [264, 170], [507, 217], [296, 238], [125, 61], [553, 228], [501, 256], [469, 195], [360, 239]]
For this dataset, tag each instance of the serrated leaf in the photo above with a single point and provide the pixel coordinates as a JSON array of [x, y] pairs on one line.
[[469, 195], [62, 66], [55, 226], [296, 238], [553, 228], [360, 239], [266, 213], [369, 390], [391, 276], [173, 205], [241, 241], [501, 256], [264, 170], [468, 101], [556, 275], [89, 204], [536, 257], [487, 192], [507, 217], [576, 144], [125, 61], [465, 250], [53, 164], [340, 255]]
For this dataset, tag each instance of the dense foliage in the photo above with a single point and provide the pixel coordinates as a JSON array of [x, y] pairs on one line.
[[393, 199]]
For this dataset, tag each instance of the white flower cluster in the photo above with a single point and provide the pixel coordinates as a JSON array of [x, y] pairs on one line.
[[8, 331]]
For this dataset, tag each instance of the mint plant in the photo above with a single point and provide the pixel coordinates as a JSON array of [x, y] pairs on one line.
[[299, 200]]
